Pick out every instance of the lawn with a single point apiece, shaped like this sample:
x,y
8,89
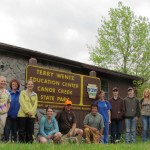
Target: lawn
x,y
139,145
37,146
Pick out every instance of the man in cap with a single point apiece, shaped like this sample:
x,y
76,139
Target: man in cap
x,y
132,112
67,122
117,112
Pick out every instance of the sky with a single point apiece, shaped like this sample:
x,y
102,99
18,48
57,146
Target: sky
x,y
61,28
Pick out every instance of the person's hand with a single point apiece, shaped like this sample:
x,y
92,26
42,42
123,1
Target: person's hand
x,y
49,137
30,114
70,134
94,129
109,121
136,118
99,136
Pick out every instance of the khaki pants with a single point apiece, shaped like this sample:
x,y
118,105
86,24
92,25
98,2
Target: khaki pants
x,y
91,136
2,124
76,138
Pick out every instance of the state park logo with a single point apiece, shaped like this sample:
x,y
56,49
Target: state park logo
x,y
92,90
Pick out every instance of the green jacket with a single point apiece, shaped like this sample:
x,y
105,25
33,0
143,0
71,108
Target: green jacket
x,y
27,104
132,107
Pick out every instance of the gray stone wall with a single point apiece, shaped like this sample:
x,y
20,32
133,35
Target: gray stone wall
x,y
13,67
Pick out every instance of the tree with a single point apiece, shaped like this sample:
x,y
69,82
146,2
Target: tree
x,y
123,43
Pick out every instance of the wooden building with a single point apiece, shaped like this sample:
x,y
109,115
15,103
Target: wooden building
x,y
14,60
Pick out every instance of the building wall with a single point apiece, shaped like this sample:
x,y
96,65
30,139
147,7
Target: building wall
x,y
121,84
108,82
13,66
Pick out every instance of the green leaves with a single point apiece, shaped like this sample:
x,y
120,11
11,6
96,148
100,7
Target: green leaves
x,y
123,43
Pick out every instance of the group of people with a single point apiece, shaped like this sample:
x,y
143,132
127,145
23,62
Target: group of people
x,y
58,129
18,110
129,109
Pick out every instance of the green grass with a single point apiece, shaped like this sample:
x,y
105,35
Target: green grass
x,y
37,146
73,146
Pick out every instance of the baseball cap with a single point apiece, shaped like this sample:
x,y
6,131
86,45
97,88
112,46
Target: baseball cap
x,y
130,88
68,102
115,89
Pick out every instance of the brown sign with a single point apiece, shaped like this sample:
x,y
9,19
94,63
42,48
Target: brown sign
x,y
54,87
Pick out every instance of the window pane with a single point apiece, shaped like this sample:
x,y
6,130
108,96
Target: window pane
x,y
104,87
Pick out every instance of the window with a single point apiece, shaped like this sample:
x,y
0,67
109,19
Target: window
x,y
104,87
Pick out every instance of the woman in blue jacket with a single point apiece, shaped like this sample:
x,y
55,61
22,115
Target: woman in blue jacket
x,y
48,130
104,108
11,125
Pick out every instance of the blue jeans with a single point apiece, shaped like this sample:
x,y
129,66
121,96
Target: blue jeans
x,y
11,127
116,128
146,128
106,132
130,130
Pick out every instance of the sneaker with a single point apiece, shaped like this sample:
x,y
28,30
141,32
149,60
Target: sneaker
x,y
117,141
